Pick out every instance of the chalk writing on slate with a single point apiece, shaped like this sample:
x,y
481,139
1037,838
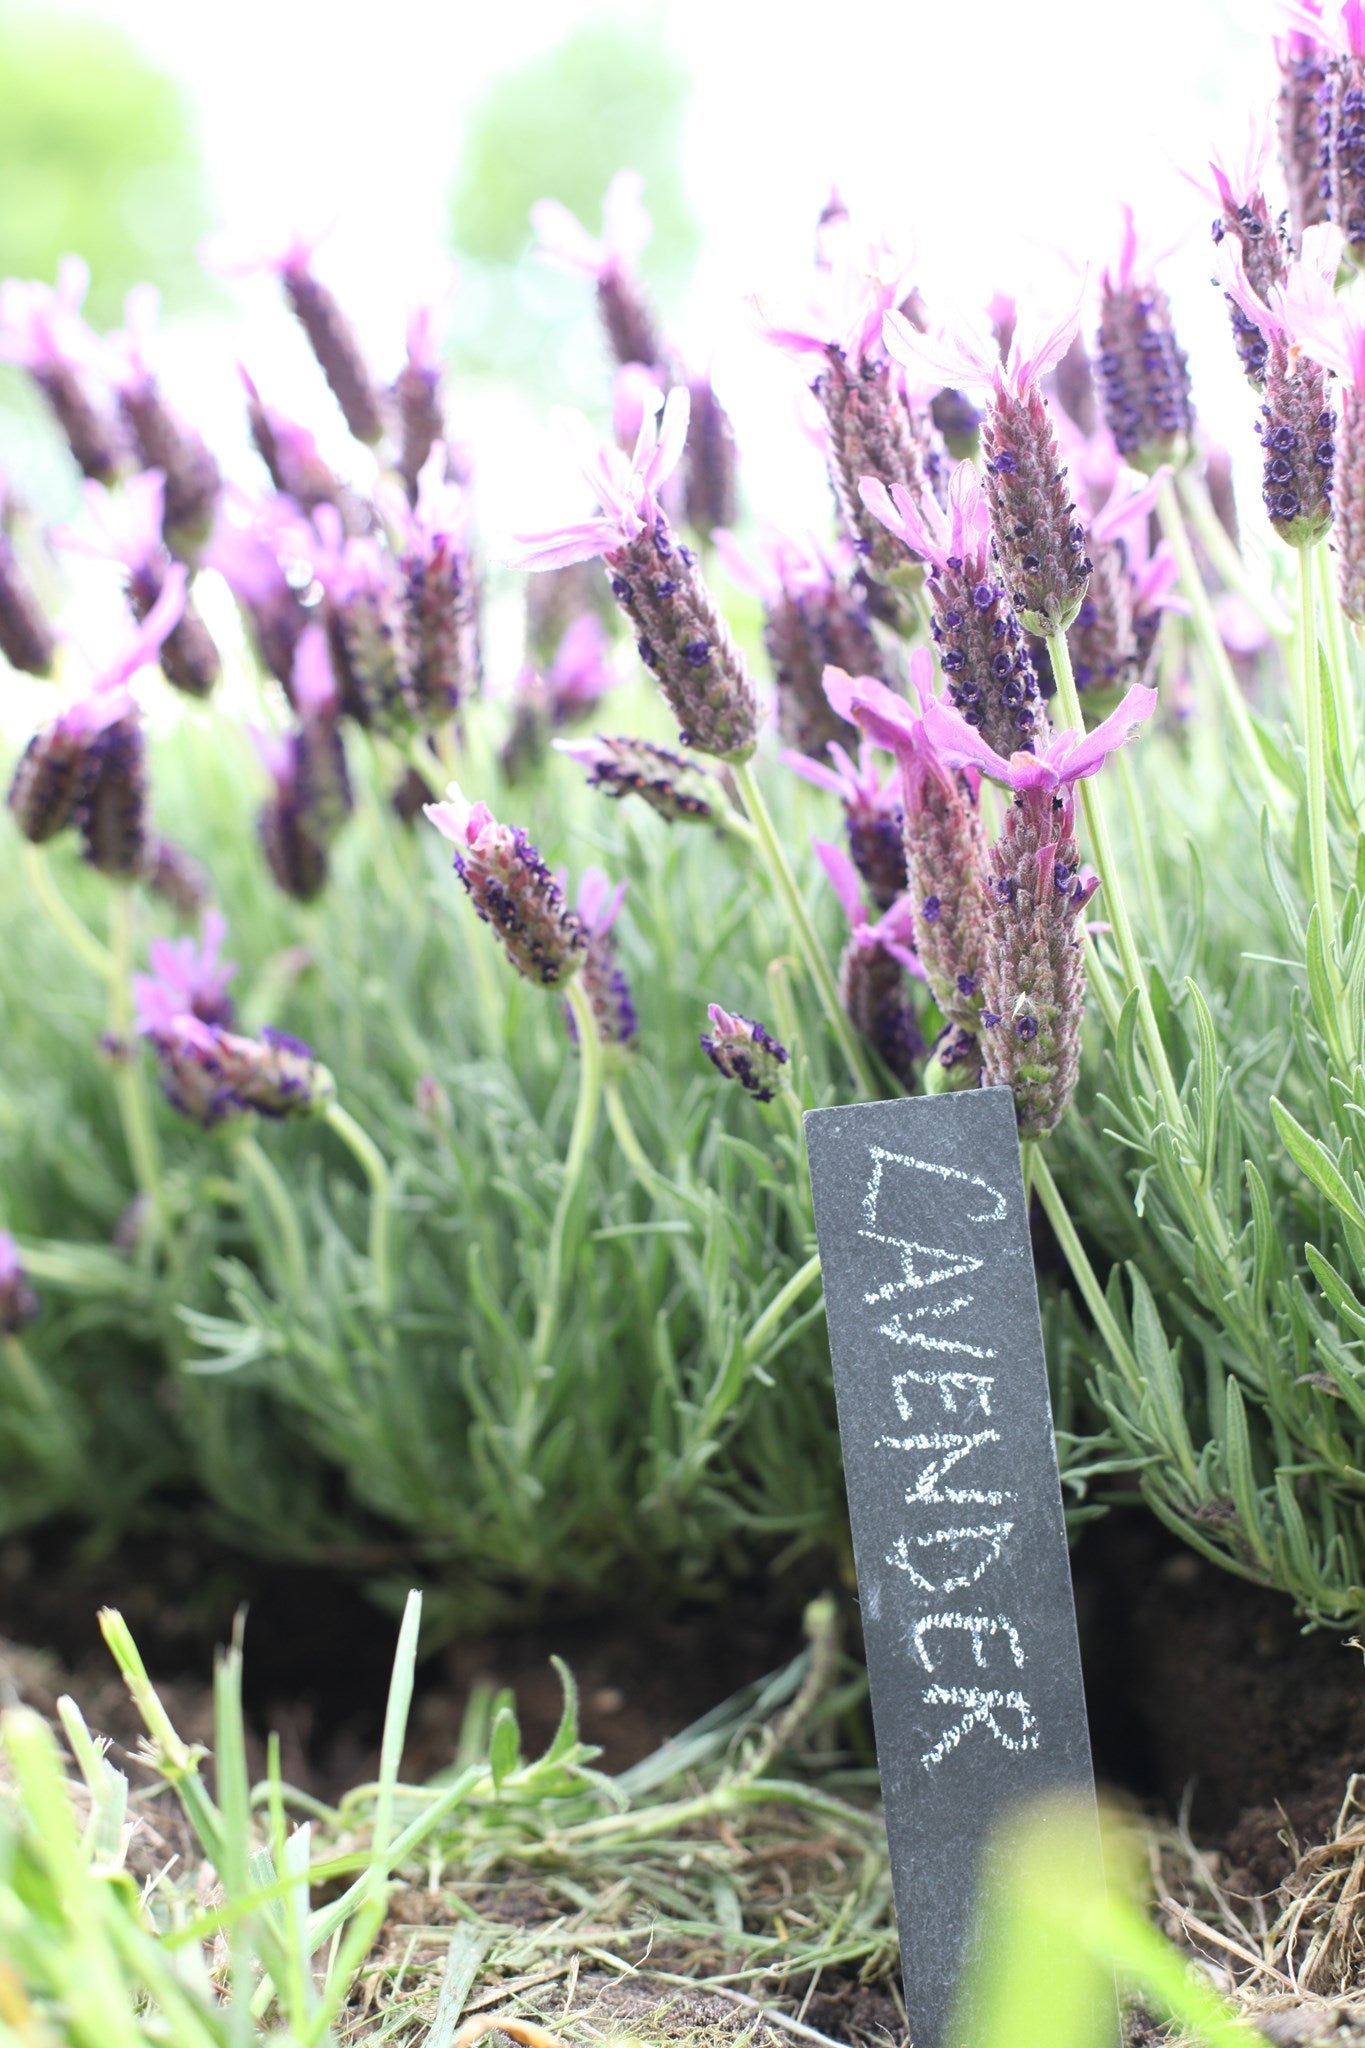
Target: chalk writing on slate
x,y
956,1509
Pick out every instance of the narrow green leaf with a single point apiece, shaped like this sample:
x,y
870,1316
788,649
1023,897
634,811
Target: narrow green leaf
x,y
504,1746
1311,1156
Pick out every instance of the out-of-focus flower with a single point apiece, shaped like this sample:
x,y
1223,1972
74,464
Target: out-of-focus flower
x,y
18,1302
597,907
512,890
744,1051
1303,76
1341,120
873,969
188,976
1039,541
311,799
164,440
441,588
368,626
245,549
1140,367
654,579
41,329
669,783
1112,636
711,468
610,260
814,617
295,465
873,816
330,334
418,398
127,527
210,1074
177,878
27,641
87,767
982,650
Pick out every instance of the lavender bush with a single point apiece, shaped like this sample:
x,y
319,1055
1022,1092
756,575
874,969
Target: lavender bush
x,y
436,1217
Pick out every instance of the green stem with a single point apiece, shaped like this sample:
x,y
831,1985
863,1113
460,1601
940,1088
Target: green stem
x,y
130,1080
62,917
1226,556
1319,857
375,1168
292,1254
580,1142
1064,1230
1113,901
1339,660
817,966
1211,643
777,1308
623,1130
1153,901
25,1373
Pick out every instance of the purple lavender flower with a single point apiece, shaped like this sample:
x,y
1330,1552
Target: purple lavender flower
x,y
330,334
26,639
1032,970
441,594
742,1050
1297,420
1332,332
311,799
42,330
245,549
1037,538
604,983
875,426
873,817
1245,217
873,969
815,617
18,1302
128,528
1341,124
611,264
982,652
296,467
554,600
710,470
1112,636
418,400
369,626
1302,62
1141,369
87,767
512,890
177,878
669,783
189,978
210,1074
944,852
164,441
655,581
1072,385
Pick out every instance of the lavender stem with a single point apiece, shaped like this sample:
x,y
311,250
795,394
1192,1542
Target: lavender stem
x,y
375,1168
580,1141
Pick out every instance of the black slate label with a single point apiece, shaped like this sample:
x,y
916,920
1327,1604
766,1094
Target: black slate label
x,y
956,1508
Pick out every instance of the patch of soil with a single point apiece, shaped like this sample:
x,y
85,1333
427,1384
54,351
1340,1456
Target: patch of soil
x,y
1204,1688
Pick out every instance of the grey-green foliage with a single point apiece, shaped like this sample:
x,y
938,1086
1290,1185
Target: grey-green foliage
x,y
1245,1416
97,154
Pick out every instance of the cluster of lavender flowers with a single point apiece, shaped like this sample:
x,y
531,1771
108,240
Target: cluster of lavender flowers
x,y
364,605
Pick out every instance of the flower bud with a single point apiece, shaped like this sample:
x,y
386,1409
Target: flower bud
x,y
742,1050
512,890
669,783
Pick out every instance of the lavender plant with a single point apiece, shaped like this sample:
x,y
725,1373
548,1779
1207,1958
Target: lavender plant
x,y
529,1315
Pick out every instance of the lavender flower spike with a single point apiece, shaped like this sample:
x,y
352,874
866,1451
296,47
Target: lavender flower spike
x,y
1303,76
873,817
164,441
18,1302
191,978
670,784
417,399
329,333
604,983
1038,540
210,1074
441,592
42,330
26,639
873,969
610,262
1342,123
944,852
982,651
1297,421
1142,372
128,528
512,889
654,579
742,1050
1244,217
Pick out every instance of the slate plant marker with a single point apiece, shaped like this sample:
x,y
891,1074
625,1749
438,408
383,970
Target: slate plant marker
x,y
956,1507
